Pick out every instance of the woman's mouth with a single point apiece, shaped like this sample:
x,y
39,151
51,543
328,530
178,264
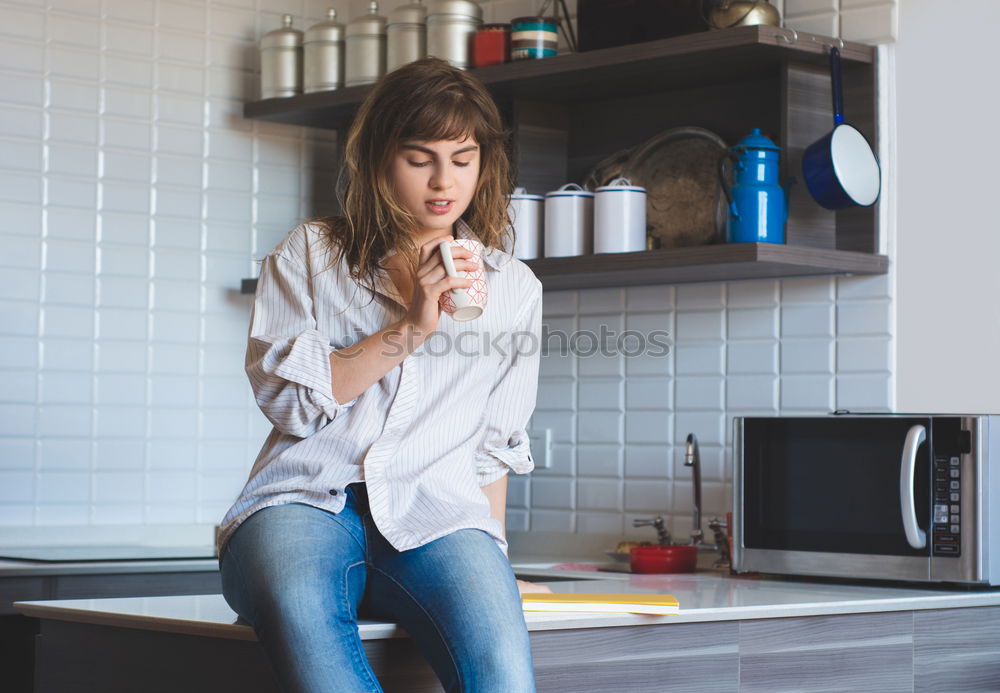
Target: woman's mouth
x,y
439,206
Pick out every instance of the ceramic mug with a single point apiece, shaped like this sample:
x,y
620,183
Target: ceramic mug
x,y
465,303
569,221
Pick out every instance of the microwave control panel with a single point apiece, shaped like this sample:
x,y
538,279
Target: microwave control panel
x,y
946,534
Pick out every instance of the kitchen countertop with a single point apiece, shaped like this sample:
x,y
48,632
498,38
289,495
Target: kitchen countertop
x,y
19,568
704,596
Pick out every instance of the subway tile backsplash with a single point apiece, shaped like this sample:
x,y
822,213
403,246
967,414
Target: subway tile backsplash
x,y
134,198
766,347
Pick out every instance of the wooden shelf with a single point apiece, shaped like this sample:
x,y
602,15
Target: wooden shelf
x,y
707,263
569,112
697,59
700,264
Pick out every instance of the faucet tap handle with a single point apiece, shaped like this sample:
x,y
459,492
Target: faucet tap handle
x,y
719,528
663,534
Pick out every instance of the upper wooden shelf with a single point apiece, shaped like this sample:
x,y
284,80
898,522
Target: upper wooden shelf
x,y
724,262
694,59
794,67
706,263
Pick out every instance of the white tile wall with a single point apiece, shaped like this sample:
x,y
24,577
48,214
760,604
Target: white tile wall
x,y
132,202
868,21
130,208
802,346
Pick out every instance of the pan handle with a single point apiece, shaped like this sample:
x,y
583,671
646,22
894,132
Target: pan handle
x,y
838,96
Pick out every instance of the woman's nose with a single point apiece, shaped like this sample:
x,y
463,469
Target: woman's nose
x,y
441,178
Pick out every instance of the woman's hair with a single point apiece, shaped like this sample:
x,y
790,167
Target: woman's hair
x,y
429,100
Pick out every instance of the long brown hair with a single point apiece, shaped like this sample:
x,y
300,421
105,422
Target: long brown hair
x,y
429,100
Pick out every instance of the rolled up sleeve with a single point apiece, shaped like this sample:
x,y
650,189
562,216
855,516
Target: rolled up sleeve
x,y
287,359
504,445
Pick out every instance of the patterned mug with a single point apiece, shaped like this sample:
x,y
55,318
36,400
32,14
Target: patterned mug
x,y
466,303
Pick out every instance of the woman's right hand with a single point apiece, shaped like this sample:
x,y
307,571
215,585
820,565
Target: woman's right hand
x,y
432,280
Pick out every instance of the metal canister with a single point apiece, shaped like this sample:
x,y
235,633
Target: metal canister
x,y
407,35
534,37
324,55
365,50
281,61
451,24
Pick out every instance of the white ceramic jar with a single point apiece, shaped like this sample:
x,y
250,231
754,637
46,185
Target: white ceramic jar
x,y
569,221
619,217
527,215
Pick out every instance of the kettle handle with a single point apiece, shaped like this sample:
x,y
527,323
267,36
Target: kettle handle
x,y
727,155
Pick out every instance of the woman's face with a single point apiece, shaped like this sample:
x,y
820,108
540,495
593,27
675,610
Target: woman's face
x,y
435,181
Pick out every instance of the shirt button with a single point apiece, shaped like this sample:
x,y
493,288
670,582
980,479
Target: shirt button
x,y
333,492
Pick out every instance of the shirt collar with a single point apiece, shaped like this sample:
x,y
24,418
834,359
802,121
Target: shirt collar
x,y
494,257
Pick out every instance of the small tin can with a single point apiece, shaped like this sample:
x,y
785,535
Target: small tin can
x,y
281,61
324,55
407,35
491,45
534,37
451,24
365,50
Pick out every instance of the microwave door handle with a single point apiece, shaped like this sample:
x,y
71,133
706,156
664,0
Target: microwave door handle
x,y
915,536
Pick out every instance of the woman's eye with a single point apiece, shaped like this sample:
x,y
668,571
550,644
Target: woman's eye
x,y
463,164
419,163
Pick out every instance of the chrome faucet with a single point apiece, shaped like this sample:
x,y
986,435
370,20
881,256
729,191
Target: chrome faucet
x,y
662,533
692,458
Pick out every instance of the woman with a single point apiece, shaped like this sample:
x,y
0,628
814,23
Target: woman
x,y
382,485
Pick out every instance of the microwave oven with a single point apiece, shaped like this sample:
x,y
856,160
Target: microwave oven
x,y
912,497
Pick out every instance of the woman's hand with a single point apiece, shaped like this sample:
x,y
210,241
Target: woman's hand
x,y
432,280
524,586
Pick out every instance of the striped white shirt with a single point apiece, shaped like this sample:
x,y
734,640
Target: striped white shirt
x,y
447,420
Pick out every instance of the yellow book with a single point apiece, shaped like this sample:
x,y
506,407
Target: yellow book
x,y
657,604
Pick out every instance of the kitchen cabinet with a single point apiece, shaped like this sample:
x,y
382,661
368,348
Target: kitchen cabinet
x,y
733,634
569,112
21,580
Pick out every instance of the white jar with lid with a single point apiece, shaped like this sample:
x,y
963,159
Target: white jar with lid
x,y
324,55
281,61
527,216
569,221
406,35
619,217
365,49
451,24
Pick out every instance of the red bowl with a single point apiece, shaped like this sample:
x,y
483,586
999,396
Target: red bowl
x,y
675,558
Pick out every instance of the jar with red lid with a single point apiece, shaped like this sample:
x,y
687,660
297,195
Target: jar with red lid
x,y
491,45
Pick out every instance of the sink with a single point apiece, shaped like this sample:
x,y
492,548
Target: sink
x,y
550,571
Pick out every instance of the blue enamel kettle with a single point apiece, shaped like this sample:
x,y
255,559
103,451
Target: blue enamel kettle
x,y
758,204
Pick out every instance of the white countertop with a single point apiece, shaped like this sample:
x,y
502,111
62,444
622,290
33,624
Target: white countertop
x,y
17,568
702,597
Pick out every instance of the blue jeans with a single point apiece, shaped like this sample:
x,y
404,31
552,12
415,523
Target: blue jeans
x,y
299,575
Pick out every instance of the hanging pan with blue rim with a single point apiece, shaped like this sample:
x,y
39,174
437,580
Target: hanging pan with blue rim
x,y
840,169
